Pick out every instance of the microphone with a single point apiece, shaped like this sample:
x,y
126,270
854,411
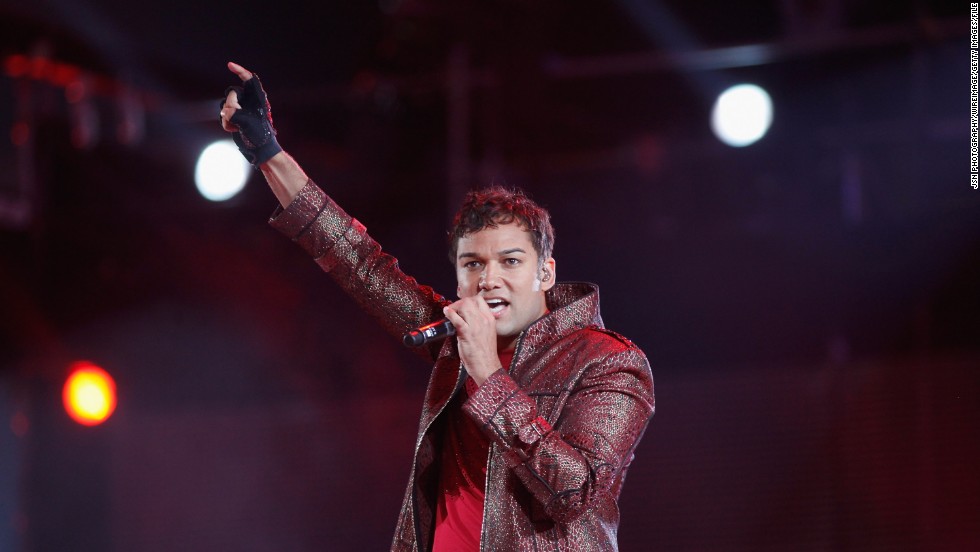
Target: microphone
x,y
435,331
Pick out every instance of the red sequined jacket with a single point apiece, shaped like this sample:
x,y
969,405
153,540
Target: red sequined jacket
x,y
563,421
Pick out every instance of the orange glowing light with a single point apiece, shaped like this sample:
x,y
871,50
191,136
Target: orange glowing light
x,y
89,394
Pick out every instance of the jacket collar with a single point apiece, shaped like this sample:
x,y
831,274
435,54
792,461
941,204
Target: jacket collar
x,y
572,306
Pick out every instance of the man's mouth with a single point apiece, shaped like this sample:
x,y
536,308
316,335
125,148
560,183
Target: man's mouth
x,y
497,305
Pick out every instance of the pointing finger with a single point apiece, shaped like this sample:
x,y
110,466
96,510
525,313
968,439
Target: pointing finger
x,y
242,72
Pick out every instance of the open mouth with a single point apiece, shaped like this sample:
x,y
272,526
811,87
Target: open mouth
x,y
497,305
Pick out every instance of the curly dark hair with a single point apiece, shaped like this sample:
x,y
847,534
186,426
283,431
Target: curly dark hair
x,y
496,205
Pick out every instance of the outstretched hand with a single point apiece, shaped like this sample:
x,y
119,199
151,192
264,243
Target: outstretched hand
x,y
246,113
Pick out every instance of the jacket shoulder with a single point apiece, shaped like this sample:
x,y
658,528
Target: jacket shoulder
x,y
609,338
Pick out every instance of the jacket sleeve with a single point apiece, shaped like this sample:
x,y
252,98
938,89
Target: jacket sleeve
x,y
342,247
571,467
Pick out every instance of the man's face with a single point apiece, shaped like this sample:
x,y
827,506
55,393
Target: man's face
x,y
501,265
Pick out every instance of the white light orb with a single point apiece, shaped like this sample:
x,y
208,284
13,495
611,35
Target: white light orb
x,y
741,115
221,171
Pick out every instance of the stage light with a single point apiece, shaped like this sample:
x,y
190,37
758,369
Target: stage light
x,y
741,115
221,171
89,394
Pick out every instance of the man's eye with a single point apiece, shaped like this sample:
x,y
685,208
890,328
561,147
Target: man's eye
x,y
471,264
512,261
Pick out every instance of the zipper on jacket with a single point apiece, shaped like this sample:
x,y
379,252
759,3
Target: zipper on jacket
x,y
415,459
486,477
486,480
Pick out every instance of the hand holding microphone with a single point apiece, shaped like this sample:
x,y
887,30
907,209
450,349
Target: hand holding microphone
x,y
472,321
440,329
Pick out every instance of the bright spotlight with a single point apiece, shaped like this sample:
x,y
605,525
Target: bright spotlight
x,y
221,171
741,115
89,394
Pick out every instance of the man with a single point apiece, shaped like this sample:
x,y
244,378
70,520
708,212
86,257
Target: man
x,y
533,409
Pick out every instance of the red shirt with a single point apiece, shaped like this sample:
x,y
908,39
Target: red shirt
x,y
465,449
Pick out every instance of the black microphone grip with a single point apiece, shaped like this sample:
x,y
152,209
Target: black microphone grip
x,y
439,329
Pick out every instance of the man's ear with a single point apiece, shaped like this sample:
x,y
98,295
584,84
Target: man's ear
x,y
547,275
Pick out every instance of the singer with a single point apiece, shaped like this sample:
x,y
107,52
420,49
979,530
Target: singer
x,y
533,409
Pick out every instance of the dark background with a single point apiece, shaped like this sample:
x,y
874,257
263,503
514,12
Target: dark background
x,y
810,304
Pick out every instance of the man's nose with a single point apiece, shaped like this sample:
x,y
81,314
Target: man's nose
x,y
490,279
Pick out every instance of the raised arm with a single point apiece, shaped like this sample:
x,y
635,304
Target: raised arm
x,y
335,240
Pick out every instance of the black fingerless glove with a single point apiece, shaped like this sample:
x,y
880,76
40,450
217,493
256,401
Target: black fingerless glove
x,y
256,137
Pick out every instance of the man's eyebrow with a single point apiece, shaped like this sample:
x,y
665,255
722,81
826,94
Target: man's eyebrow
x,y
469,255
